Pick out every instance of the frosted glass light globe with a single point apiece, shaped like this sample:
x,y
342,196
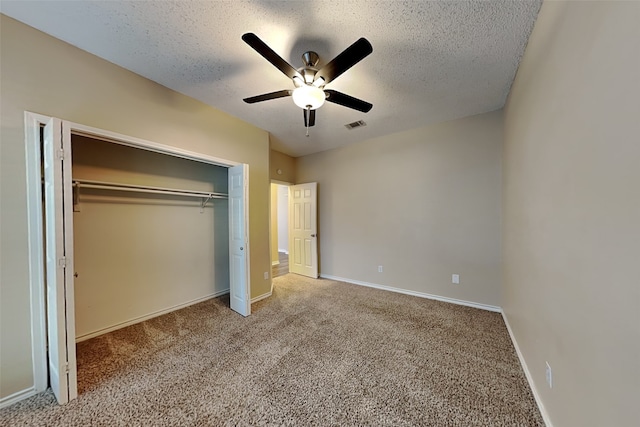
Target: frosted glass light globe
x,y
308,95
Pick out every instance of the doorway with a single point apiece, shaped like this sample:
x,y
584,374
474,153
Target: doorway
x,y
53,314
294,208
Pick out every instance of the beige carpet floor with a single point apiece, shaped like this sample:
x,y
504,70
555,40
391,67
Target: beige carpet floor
x,y
317,353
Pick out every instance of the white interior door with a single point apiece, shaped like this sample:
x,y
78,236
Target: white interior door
x,y
303,229
239,239
59,261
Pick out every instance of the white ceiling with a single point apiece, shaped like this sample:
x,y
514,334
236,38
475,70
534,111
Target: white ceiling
x,y
432,61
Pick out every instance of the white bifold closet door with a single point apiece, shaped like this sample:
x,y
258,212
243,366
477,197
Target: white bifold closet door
x,y
238,239
59,261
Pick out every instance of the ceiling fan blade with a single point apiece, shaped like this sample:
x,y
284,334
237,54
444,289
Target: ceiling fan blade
x,y
268,53
311,118
347,101
268,96
347,59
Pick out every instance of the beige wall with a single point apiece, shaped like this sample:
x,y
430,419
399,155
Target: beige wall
x,y
286,164
572,211
44,75
424,204
138,254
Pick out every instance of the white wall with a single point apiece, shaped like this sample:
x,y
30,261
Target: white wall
x,y
283,218
139,254
424,204
572,211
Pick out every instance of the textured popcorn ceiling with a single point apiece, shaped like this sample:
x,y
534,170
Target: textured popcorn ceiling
x,y
431,61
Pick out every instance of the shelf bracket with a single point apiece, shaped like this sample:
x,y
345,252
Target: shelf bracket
x,y
204,202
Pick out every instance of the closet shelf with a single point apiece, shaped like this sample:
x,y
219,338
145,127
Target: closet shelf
x,y
204,195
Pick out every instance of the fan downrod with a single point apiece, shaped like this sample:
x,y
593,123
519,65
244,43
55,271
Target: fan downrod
x,y
310,58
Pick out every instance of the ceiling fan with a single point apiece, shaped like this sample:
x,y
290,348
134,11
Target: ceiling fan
x,y
309,92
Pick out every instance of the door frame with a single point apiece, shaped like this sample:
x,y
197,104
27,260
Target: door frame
x,y
32,124
271,236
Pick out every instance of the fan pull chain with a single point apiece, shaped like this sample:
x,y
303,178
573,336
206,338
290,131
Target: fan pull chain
x,y
308,119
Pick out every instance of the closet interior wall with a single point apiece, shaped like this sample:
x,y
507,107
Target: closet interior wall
x,y
138,254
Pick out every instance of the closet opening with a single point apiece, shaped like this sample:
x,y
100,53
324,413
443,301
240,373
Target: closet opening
x,y
150,234
122,230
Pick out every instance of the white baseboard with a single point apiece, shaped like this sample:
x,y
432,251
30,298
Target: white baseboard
x,y
416,294
536,396
148,316
18,396
261,297
275,263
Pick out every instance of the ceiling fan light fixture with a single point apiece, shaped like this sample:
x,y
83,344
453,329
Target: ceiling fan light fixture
x,y
309,82
308,96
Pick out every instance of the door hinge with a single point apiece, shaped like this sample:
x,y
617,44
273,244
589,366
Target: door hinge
x,y
60,154
62,262
66,368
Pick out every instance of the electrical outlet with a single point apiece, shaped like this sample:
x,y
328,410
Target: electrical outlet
x,y
455,279
379,269
549,375
266,275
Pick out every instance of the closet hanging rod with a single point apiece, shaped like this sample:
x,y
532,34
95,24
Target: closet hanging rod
x,y
83,183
